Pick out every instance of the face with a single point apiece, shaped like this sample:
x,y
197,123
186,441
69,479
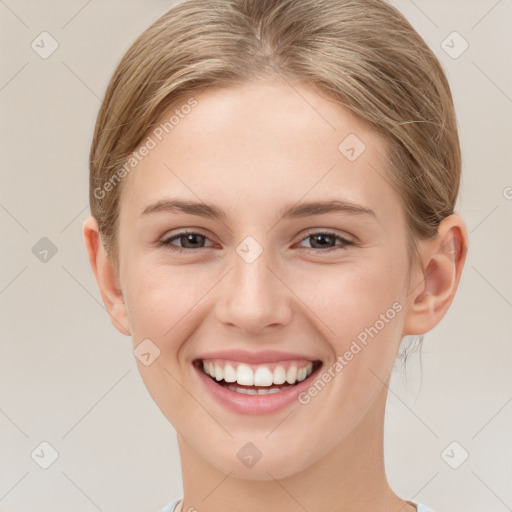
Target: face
x,y
282,275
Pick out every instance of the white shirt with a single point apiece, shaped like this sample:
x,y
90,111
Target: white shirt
x,y
170,507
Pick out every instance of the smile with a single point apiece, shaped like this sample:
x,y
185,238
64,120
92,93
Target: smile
x,y
259,379
255,386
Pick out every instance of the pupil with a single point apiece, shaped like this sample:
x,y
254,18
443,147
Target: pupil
x,y
190,238
322,236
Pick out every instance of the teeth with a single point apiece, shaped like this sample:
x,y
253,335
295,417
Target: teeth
x,y
244,375
262,376
229,373
291,375
279,376
249,391
270,391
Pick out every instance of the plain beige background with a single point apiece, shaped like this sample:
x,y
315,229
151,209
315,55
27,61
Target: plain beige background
x,y
69,379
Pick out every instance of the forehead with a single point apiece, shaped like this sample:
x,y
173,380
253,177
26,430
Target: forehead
x,y
258,143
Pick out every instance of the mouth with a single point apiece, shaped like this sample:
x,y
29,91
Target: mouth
x,y
257,379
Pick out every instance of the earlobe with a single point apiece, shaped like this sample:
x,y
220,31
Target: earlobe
x,y
106,277
434,289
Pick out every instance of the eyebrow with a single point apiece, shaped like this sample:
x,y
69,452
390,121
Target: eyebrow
x,y
297,210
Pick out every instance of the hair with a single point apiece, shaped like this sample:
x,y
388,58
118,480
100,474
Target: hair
x,y
362,53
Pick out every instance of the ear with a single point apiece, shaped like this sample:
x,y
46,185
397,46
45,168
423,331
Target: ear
x,y
106,277
433,287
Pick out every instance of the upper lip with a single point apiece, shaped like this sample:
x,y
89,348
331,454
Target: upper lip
x,y
260,357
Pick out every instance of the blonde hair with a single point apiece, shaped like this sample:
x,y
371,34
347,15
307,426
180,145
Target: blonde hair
x,y
362,53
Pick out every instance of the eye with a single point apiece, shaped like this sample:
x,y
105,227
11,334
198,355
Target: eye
x,y
190,239
322,240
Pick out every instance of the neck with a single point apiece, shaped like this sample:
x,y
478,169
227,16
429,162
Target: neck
x,y
349,478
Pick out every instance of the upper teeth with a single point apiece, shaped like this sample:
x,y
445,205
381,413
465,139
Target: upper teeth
x,y
258,375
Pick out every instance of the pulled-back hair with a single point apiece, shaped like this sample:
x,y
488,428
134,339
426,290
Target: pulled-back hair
x,y
362,53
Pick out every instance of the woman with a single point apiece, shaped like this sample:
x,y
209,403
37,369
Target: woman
x,y
272,190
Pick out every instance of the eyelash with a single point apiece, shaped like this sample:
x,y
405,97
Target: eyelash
x,y
167,242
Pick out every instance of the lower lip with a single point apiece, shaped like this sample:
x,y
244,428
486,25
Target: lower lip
x,y
254,404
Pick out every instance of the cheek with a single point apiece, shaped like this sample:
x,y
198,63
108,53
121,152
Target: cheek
x,y
349,298
160,300
363,307
159,297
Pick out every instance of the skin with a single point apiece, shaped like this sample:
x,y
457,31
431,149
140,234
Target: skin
x,y
251,150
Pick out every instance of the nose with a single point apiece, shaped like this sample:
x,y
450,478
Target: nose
x,y
253,296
